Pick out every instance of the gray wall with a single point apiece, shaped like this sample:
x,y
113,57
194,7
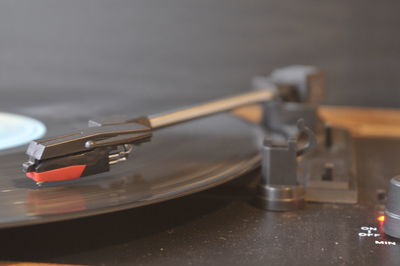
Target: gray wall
x,y
187,49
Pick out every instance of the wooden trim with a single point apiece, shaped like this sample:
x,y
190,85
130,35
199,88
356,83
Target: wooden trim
x,y
364,122
360,121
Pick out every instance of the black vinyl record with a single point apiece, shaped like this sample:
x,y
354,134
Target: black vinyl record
x,y
179,160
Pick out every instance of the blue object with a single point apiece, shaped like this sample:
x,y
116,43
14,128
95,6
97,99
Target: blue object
x,y
17,130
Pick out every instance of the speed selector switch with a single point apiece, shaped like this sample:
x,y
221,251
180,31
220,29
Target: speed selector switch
x,y
391,226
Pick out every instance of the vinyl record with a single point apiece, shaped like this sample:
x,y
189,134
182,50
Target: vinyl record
x,y
179,160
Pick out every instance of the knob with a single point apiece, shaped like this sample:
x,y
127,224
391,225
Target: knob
x,y
391,226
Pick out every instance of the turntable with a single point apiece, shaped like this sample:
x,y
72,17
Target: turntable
x,y
236,181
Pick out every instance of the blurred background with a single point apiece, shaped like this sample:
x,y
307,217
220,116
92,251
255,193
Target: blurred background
x,y
163,53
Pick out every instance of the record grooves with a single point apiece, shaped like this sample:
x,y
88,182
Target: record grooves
x,y
180,160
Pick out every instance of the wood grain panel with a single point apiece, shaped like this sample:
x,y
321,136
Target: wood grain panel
x,y
361,122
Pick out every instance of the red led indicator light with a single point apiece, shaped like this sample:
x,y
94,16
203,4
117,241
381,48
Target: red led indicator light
x,y
381,218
